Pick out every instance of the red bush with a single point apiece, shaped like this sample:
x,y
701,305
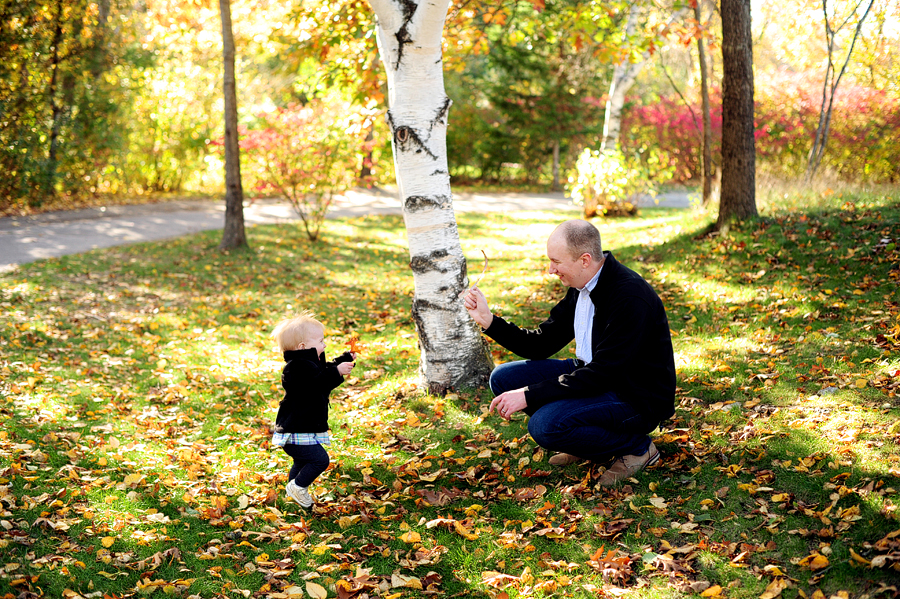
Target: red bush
x,y
863,145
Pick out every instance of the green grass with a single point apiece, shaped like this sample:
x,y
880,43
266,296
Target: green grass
x,y
137,385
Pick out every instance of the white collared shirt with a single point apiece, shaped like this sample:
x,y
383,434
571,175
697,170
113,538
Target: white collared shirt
x,y
584,317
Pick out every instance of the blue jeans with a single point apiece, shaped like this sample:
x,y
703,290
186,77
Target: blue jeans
x,y
593,428
309,462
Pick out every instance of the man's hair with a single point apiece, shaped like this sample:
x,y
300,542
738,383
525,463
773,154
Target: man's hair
x,y
290,333
582,238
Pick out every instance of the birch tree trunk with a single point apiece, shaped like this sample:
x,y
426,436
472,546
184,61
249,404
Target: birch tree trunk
x,y
625,73
453,354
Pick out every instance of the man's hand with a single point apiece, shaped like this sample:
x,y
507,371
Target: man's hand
x,y
344,368
507,404
477,306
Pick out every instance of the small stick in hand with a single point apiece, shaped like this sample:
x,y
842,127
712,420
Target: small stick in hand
x,y
481,276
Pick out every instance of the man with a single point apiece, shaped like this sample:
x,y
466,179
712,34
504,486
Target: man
x,y
620,385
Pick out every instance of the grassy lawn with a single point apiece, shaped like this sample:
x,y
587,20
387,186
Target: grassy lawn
x,y
137,385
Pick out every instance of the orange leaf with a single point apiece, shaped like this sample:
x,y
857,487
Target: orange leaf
x,y
814,561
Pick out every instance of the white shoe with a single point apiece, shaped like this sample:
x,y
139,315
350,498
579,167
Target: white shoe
x,y
299,494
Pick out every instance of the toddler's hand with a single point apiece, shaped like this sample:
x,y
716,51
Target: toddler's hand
x,y
344,368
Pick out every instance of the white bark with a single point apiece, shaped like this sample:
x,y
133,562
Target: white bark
x,y
625,74
409,32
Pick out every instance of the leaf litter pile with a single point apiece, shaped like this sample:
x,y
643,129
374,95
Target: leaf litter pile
x,y
138,385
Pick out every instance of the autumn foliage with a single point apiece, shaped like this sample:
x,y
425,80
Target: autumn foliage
x,y
865,131
308,154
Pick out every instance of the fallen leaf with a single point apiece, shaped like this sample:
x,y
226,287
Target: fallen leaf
x,y
403,581
814,561
775,587
316,591
411,537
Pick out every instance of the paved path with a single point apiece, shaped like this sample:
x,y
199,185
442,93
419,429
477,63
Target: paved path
x,y
26,239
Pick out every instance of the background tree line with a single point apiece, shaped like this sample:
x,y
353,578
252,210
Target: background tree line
x,y
124,97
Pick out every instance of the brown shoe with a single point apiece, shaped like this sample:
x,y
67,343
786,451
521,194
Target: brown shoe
x,y
563,459
629,465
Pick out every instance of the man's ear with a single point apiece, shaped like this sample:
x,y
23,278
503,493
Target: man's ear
x,y
586,260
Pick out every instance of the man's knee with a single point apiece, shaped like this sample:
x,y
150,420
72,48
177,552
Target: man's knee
x,y
544,430
506,377
497,380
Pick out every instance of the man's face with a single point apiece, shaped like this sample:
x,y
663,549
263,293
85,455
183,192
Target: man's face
x,y
571,271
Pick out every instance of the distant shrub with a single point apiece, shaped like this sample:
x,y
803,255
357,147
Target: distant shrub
x,y
607,183
308,154
863,145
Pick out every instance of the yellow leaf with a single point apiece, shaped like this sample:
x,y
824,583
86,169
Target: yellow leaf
x,y
107,541
293,591
858,558
713,591
814,561
316,591
411,537
775,587
457,525
860,383
818,594
781,497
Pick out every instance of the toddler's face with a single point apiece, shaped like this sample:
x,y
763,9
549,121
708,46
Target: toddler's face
x,y
317,342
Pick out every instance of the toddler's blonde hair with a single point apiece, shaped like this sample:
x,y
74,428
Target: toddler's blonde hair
x,y
290,333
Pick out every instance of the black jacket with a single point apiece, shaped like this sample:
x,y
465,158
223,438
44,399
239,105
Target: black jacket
x,y
630,343
307,380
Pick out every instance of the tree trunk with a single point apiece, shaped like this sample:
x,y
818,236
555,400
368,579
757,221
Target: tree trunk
x,y
556,185
738,196
233,235
56,107
453,354
99,52
625,74
707,119
829,88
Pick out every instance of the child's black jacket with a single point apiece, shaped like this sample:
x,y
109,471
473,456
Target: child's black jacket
x,y
307,380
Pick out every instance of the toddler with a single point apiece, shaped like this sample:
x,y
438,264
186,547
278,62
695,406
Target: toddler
x,y
301,426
